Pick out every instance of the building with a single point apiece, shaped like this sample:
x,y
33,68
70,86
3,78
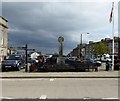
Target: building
x,y
3,38
76,51
109,43
88,49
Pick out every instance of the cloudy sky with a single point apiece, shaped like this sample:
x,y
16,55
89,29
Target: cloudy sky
x,y
39,24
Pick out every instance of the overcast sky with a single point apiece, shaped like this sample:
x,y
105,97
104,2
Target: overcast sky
x,y
39,24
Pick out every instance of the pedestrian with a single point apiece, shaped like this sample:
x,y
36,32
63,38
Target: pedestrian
x,y
107,65
40,61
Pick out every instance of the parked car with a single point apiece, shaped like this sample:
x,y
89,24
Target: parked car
x,y
70,61
105,59
13,62
95,61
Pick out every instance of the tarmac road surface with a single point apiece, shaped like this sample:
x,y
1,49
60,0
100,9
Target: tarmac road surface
x,y
59,88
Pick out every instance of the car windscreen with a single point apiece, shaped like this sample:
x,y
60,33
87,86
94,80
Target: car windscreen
x,y
14,57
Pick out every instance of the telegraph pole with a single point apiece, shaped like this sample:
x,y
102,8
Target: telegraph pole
x,y
80,54
119,47
119,32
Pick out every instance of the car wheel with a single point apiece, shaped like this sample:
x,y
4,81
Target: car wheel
x,y
17,68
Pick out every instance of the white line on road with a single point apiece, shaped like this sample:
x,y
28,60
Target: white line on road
x,y
89,79
110,98
5,98
22,79
36,79
52,79
43,97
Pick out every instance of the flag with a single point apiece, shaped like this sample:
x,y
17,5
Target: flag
x,y
111,14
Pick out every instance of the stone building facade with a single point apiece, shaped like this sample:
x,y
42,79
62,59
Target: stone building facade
x,y
88,50
109,43
3,38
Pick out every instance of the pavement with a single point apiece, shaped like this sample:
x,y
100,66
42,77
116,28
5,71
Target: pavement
x,y
100,74
91,74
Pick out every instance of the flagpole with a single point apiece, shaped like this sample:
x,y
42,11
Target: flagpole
x,y
113,38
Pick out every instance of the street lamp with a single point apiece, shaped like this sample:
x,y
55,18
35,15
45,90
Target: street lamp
x,y
119,47
80,46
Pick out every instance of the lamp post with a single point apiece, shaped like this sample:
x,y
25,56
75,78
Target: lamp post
x,y
119,47
80,46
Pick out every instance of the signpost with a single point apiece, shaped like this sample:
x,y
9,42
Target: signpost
x,y
26,54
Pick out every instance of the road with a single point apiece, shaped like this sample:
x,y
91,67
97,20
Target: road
x,y
68,88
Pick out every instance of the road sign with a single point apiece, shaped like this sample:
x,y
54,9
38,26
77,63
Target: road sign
x,y
22,48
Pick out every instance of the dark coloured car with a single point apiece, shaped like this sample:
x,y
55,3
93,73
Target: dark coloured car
x,y
71,61
94,61
13,62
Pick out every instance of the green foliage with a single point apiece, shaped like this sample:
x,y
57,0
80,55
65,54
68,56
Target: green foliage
x,y
100,49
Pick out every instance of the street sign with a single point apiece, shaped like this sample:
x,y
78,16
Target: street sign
x,y
19,48
31,49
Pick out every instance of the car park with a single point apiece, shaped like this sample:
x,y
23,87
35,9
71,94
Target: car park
x,y
13,62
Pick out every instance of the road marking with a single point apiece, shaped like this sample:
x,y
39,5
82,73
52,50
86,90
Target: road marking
x,y
110,98
52,79
43,97
87,98
22,79
5,98
89,79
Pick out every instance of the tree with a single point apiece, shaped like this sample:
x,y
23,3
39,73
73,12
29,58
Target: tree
x,y
100,49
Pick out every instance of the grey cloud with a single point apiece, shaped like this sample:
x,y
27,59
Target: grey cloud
x,y
48,16
40,23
